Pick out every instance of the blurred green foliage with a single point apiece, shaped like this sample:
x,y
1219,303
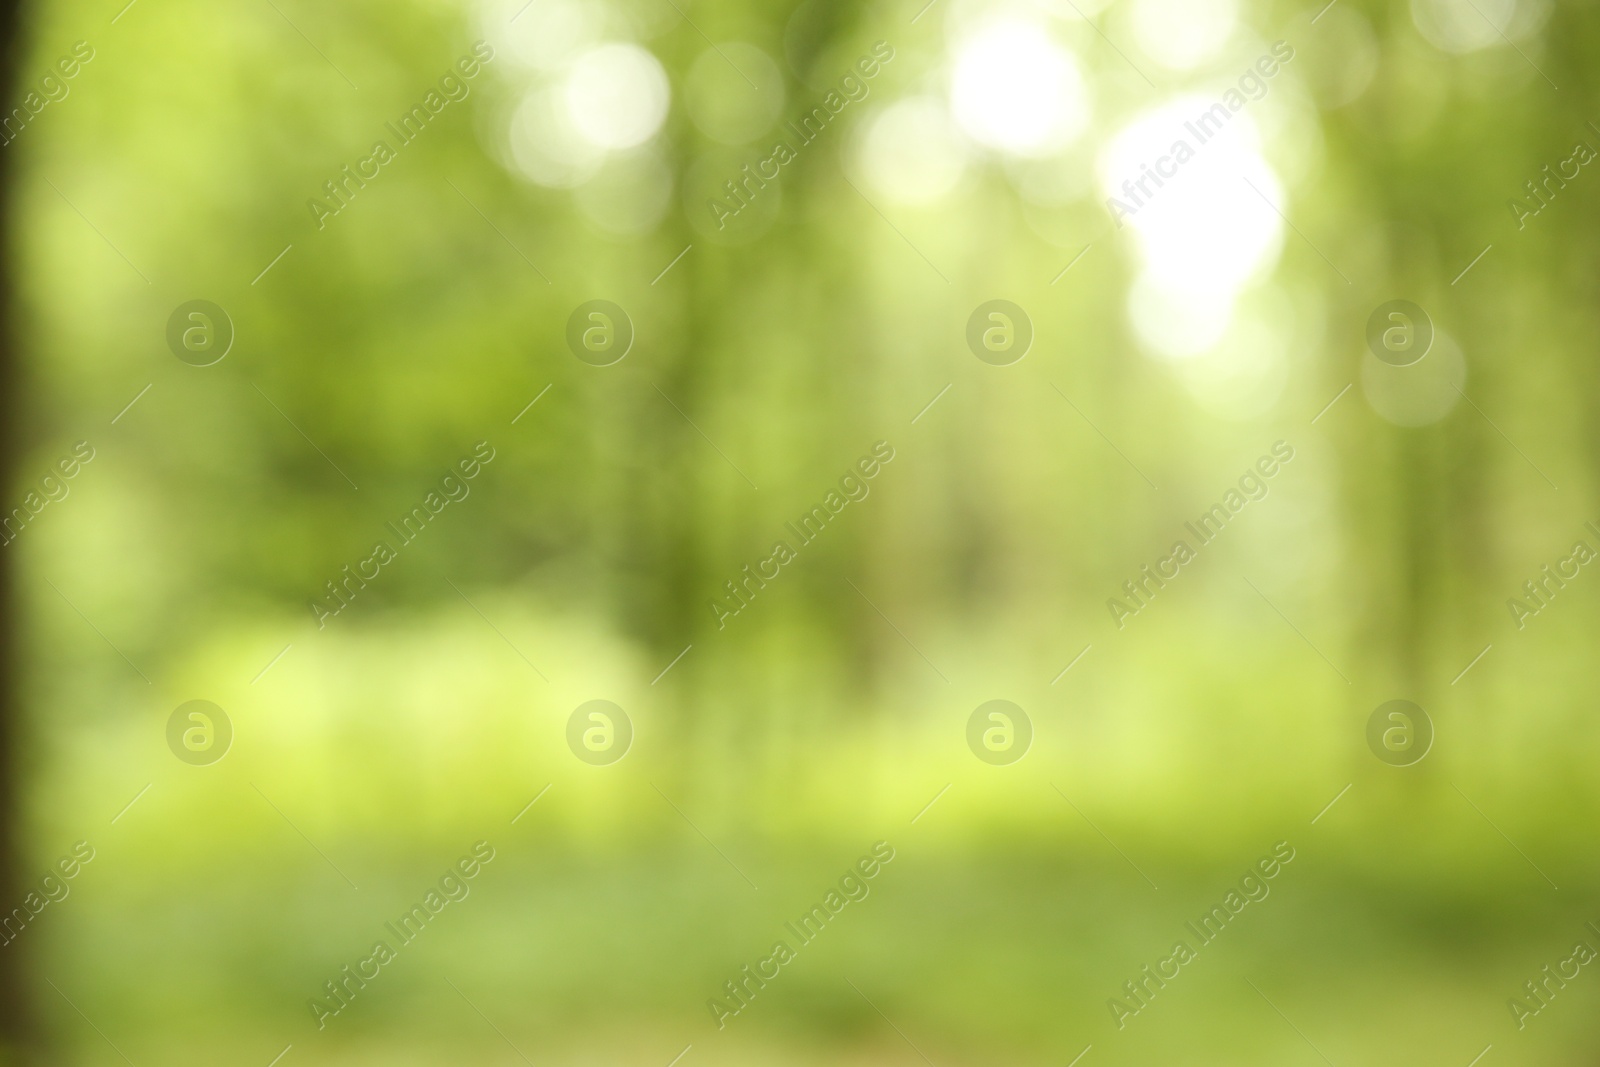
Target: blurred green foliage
x,y
427,315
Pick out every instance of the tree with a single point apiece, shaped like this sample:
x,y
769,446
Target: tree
x,y
17,1030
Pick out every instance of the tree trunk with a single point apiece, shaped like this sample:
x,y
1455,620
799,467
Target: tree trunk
x,y
18,1031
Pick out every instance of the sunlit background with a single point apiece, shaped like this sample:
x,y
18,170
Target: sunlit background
x,y
392,325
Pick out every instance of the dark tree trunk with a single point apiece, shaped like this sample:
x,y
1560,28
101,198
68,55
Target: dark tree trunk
x,y
18,1031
